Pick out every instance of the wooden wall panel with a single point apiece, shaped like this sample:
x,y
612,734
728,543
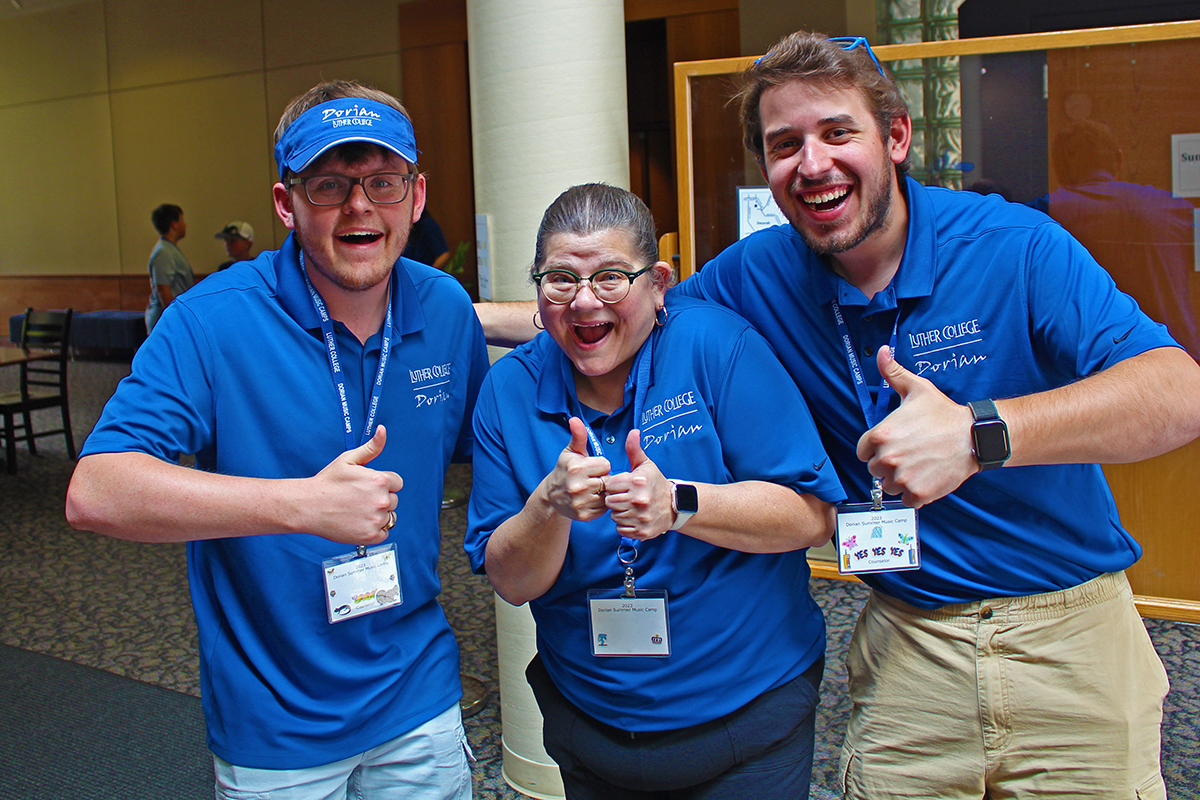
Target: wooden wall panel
x,y
80,292
719,154
436,92
1144,92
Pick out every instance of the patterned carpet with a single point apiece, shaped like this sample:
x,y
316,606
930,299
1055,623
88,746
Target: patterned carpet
x,y
124,608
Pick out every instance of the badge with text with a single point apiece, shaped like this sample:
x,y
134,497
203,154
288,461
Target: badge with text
x,y
877,537
624,625
357,584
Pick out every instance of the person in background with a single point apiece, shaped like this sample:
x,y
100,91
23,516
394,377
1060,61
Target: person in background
x,y
239,241
170,272
427,244
626,467
324,389
1143,235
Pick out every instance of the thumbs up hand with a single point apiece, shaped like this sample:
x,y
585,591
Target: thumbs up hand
x,y
640,500
922,450
350,502
576,485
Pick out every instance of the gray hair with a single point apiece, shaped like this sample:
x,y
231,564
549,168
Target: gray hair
x,y
595,207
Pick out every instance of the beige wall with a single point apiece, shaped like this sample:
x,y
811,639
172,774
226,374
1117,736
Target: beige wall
x,y
109,108
764,22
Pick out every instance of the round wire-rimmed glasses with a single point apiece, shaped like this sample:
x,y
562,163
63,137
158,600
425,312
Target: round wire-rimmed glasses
x,y
609,285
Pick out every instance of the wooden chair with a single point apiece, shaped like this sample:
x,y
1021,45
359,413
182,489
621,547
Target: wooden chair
x,y
43,384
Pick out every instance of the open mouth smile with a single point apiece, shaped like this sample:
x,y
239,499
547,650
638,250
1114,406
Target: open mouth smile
x,y
359,238
827,199
591,333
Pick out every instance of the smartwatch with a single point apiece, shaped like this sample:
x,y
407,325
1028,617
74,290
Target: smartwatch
x,y
684,502
989,435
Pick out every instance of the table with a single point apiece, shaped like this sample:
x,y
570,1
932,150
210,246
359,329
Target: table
x,y
11,356
23,355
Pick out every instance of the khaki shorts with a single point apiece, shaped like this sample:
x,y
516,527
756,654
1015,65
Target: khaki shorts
x,y
1050,695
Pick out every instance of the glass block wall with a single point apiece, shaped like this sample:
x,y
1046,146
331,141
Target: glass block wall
x,y
930,86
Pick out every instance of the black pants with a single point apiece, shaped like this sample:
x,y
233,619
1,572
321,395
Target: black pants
x,y
763,750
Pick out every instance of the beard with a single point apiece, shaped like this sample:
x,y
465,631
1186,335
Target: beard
x,y
351,277
829,239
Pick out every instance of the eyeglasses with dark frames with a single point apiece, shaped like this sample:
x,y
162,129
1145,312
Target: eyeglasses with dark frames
x,y
610,285
383,188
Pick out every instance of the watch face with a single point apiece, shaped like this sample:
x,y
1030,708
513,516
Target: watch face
x,y
686,498
991,442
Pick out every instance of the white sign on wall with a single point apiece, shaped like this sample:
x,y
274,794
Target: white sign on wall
x,y
756,210
1185,164
484,256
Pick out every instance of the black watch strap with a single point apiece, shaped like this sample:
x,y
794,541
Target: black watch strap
x,y
989,435
983,410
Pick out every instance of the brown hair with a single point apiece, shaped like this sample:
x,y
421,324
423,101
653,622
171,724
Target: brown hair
x,y
812,57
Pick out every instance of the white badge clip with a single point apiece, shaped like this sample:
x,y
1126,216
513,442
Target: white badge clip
x,y
877,536
362,582
629,621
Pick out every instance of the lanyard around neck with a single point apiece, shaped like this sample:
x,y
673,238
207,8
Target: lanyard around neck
x,y
640,389
335,362
872,412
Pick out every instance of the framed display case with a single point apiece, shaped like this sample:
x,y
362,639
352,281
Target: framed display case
x,y
1098,128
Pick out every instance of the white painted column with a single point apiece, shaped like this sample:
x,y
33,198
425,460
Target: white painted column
x,y
548,111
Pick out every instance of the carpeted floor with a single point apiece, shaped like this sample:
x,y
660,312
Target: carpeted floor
x,y
123,608
87,734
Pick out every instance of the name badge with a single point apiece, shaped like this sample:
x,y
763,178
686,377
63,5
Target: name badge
x,y
629,626
874,538
357,585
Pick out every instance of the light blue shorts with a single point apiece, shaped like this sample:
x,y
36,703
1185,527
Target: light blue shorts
x,y
430,761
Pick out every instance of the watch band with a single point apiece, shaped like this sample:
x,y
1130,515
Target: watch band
x,y
983,410
989,435
684,502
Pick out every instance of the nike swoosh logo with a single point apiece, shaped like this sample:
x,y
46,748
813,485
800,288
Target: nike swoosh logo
x,y
817,467
1119,339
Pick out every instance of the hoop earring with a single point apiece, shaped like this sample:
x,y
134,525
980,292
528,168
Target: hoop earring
x,y
537,323
660,316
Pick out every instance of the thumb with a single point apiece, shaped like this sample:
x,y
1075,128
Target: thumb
x,y
633,449
578,443
365,453
901,380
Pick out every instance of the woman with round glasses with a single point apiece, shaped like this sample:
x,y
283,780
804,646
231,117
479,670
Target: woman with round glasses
x,y
648,479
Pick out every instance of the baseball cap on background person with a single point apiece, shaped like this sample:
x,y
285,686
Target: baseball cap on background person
x,y
236,230
239,238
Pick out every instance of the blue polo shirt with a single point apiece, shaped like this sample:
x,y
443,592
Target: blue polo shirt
x,y
240,376
713,405
993,300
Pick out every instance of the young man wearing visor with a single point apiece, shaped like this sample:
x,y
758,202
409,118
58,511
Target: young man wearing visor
x,y
327,663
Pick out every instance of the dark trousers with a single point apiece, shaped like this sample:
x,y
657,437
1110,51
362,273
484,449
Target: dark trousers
x,y
763,750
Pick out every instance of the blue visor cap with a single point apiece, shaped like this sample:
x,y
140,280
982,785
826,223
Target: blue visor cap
x,y
347,119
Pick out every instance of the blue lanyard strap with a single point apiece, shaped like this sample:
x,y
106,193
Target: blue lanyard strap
x,y
640,389
872,412
335,364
